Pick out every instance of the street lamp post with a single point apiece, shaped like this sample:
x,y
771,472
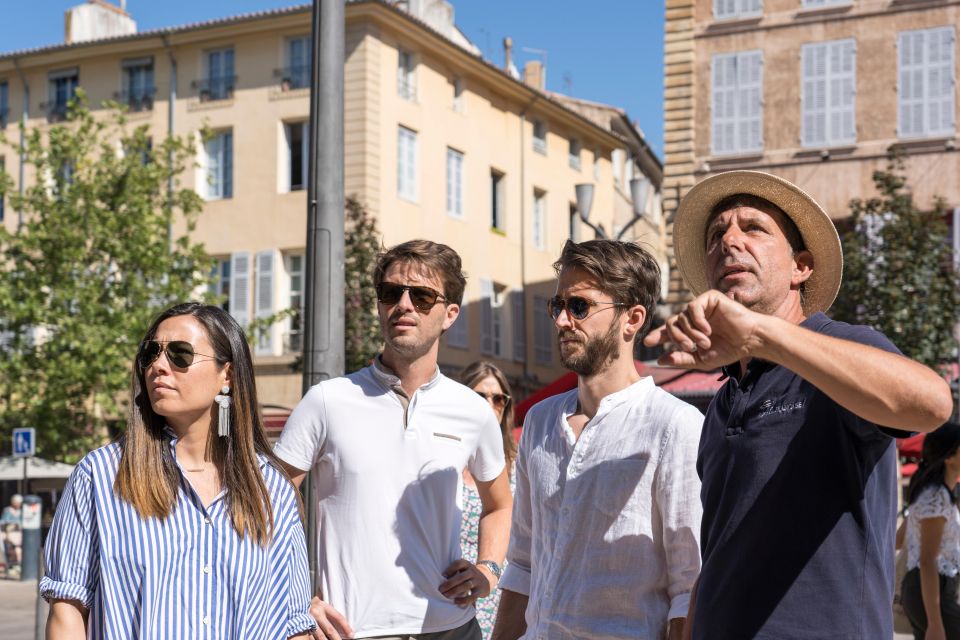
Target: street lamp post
x,y
638,194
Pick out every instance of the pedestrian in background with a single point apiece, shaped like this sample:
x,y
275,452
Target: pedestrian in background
x,y
11,528
187,527
490,383
929,594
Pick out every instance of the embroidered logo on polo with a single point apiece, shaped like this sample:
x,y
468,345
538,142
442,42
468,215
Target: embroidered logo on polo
x,y
769,407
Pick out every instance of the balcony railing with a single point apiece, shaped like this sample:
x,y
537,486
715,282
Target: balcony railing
x,y
56,111
295,77
139,100
215,88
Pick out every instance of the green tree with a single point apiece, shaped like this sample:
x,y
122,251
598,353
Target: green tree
x,y
91,265
899,273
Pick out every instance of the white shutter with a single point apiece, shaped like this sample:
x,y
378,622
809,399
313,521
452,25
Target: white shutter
x,y
265,291
518,320
940,81
723,115
750,90
457,335
752,7
240,287
813,94
843,92
486,317
910,53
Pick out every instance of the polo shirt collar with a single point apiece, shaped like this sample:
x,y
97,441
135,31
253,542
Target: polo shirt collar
x,y
385,375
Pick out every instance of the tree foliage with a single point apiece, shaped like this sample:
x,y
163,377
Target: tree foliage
x,y
899,274
361,245
91,265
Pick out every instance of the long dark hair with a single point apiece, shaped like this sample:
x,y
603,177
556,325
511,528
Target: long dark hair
x,y
147,477
937,447
471,376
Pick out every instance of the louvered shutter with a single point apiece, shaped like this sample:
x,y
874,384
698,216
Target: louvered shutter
x,y
750,90
813,94
486,317
939,65
911,82
723,116
843,92
240,287
265,305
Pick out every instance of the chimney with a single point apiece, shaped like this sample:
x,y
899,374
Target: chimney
x,y
95,20
507,54
535,74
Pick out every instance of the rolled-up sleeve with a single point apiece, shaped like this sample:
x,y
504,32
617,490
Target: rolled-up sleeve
x,y
678,500
72,549
516,575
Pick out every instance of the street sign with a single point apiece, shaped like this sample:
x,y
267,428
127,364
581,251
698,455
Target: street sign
x,y
24,442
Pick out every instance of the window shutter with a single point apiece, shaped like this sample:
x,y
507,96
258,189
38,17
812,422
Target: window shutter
x,y
752,6
457,335
227,151
750,90
518,321
240,287
843,91
723,114
265,273
486,317
940,81
213,187
813,94
910,52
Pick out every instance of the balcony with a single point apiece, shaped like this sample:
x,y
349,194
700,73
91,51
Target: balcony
x,y
291,78
136,101
209,89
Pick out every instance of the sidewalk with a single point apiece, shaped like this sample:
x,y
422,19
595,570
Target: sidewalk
x,y
18,601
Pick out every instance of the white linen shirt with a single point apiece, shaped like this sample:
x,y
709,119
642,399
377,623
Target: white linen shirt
x,y
605,534
387,481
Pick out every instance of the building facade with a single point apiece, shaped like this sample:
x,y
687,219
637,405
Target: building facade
x,y
439,144
816,91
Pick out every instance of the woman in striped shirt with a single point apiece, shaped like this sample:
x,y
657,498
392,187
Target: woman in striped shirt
x,y
176,531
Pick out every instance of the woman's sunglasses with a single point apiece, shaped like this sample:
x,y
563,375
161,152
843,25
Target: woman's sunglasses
x,y
576,306
180,353
499,400
423,298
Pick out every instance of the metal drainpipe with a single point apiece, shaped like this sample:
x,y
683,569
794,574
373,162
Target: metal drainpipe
x,y
523,233
23,136
171,112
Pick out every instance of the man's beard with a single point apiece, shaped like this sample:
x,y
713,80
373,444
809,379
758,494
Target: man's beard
x,y
595,355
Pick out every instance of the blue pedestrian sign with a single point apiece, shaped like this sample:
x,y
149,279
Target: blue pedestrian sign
x,y
24,442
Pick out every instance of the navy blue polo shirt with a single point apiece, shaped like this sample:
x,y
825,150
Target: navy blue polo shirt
x,y
799,504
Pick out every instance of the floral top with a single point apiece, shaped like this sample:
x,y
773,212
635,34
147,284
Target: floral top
x,y
469,530
934,502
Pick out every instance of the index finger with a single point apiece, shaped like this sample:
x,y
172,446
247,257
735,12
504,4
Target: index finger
x,y
655,337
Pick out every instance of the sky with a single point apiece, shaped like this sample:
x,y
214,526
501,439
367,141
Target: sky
x,y
608,51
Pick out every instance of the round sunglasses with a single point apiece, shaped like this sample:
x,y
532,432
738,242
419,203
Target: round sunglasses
x,y
423,298
576,306
180,353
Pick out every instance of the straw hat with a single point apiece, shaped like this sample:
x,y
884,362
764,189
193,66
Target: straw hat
x,y
819,234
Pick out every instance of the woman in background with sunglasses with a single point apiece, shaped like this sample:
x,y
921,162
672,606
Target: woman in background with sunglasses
x,y
186,527
490,383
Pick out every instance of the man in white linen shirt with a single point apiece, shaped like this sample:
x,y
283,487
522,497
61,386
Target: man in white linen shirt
x,y
387,447
605,536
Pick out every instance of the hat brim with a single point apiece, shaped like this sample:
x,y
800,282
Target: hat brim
x,y
817,229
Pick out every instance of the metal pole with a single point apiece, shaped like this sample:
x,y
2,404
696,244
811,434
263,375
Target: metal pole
x,y
23,136
323,340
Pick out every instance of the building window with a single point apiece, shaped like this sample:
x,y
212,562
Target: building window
x,y
454,183
724,9
220,80
458,333
220,282
542,332
539,219
816,4
4,103
138,88
737,114
406,76
540,136
828,93
407,164
219,165
492,296
574,229
573,157
294,341
62,87
497,201
296,73
458,95
298,153
926,82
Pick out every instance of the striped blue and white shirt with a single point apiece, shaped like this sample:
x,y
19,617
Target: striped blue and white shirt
x,y
188,576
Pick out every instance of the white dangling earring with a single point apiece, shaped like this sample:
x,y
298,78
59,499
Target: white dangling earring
x,y
223,419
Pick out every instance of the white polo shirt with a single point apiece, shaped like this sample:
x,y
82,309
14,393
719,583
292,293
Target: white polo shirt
x,y
387,479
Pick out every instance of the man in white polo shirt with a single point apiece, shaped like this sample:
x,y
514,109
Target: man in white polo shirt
x,y
387,446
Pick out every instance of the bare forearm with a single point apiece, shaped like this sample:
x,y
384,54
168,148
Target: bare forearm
x,y
901,393
67,621
511,616
493,533
930,590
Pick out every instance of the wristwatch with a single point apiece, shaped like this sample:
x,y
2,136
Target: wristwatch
x,y
493,566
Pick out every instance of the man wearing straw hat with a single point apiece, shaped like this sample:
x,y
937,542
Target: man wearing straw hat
x,y
799,476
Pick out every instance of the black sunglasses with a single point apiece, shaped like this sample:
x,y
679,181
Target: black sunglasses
x,y
498,399
180,353
423,298
576,306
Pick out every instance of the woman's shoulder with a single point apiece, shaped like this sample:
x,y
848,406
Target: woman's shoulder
x,y
105,458
933,500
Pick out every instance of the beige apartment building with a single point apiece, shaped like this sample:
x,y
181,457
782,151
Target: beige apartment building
x,y
439,144
816,91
